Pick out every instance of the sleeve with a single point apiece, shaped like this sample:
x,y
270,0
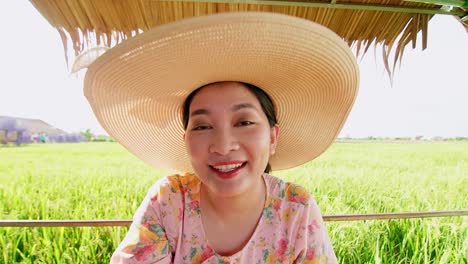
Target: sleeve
x,y
146,240
313,243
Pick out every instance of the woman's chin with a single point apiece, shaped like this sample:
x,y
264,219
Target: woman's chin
x,y
224,191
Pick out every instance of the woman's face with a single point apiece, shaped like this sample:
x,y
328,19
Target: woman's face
x,y
228,138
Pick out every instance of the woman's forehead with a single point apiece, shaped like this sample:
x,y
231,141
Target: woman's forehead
x,y
224,94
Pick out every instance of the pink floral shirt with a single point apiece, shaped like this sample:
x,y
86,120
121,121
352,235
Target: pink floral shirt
x,y
167,228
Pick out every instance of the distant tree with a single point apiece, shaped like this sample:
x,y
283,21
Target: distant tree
x,y
88,134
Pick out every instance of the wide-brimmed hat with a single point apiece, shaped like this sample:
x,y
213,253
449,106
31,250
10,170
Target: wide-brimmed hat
x,y
137,88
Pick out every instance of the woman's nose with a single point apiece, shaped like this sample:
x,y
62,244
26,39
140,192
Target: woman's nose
x,y
223,142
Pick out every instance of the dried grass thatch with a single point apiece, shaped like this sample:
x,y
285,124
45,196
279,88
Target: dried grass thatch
x,y
391,23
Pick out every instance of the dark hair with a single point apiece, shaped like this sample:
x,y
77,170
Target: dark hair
x,y
265,102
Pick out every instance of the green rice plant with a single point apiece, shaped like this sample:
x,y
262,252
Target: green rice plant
x,y
103,181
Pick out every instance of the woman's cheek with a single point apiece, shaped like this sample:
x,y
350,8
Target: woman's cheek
x,y
256,136
196,141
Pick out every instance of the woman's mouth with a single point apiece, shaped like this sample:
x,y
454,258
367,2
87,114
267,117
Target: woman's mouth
x,y
228,170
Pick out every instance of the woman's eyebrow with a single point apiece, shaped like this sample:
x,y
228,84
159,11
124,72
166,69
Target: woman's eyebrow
x,y
234,108
238,107
200,112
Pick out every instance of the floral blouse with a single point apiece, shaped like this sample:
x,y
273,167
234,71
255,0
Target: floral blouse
x,y
167,228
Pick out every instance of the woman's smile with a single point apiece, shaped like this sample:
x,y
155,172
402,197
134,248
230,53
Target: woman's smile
x,y
228,169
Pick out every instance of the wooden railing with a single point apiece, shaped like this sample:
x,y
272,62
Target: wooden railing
x,y
329,218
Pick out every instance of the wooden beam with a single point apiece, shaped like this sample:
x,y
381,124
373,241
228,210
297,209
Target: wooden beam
x,y
388,216
328,218
351,6
455,3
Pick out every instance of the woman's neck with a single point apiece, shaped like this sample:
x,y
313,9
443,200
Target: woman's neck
x,y
234,207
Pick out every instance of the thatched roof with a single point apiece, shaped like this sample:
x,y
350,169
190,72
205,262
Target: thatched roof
x,y
391,23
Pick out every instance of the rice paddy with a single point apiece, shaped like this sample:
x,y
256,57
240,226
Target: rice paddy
x,y
103,181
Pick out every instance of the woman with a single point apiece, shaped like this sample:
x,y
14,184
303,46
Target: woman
x,y
236,79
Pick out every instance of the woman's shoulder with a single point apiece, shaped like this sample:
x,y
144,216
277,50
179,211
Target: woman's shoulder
x,y
287,191
173,185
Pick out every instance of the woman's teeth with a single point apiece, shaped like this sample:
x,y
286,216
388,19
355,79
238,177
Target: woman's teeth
x,y
227,168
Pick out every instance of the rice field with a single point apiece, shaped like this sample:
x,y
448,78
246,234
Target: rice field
x,y
103,181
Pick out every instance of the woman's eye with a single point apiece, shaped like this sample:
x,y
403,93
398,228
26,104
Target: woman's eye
x,y
245,123
201,127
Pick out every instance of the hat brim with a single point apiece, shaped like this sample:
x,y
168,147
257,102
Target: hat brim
x,y
137,88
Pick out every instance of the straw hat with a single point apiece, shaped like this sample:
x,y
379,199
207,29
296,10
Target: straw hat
x,y
137,88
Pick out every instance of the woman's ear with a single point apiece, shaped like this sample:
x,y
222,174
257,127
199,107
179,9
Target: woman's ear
x,y
274,133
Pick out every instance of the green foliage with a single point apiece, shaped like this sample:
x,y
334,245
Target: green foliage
x,y
88,134
103,181
103,138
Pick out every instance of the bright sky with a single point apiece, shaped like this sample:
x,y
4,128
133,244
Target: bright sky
x,y
429,96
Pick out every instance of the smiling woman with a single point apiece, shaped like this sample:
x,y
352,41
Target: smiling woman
x,y
266,73
154,133
230,141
